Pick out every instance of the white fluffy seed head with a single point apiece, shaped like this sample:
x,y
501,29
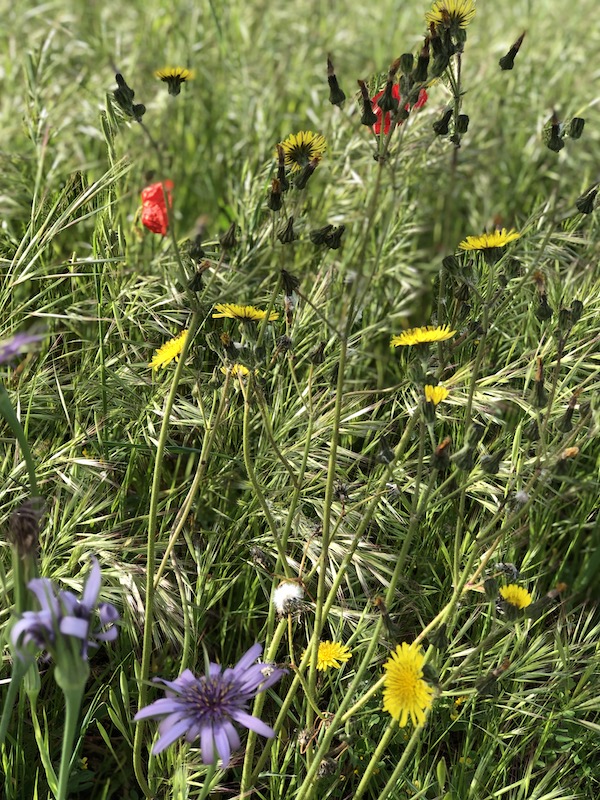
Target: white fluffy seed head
x,y
287,597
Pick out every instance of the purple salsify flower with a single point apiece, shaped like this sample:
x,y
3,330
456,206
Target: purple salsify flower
x,y
77,614
63,614
207,707
9,348
37,626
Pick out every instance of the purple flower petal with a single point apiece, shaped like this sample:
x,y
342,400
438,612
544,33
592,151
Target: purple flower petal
x,y
176,731
222,745
253,724
207,746
159,707
248,658
45,592
91,589
73,626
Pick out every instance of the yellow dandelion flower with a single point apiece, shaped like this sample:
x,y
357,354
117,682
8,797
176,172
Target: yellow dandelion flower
x,y
452,14
234,311
406,694
422,336
236,370
332,655
489,241
516,596
435,394
170,351
174,77
301,148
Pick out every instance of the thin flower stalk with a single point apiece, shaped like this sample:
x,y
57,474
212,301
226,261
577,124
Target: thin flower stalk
x,y
256,486
211,427
150,556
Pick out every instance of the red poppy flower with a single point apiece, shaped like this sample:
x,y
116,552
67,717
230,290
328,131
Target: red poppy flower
x,y
421,100
154,207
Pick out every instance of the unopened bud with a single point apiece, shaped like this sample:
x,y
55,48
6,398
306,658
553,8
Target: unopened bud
x,y
540,395
336,96
420,73
407,61
585,202
275,201
286,234
387,101
564,319
369,117
284,183
465,458
576,310
302,179
319,235
462,123
576,127
491,464
441,127
333,240
290,282
544,311
441,456
228,241
554,139
508,61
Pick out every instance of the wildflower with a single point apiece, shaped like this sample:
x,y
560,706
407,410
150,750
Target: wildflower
x,y
452,14
301,148
423,335
332,654
154,206
10,348
421,100
174,77
406,693
287,597
207,707
516,596
489,241
63,617
234,311
435,394
170,351
236,371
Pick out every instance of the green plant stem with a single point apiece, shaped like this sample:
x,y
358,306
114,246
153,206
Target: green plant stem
x,y
392,784
254,481
207,785
247,778
372,765
8,412
73,698
19,668
210,431
150,557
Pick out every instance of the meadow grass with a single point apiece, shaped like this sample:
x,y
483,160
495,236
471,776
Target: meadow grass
x,y
201,490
